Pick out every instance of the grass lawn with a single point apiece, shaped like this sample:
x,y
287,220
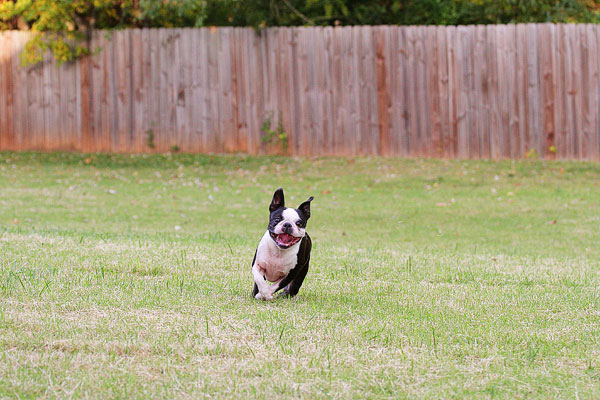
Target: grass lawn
x,y
129,277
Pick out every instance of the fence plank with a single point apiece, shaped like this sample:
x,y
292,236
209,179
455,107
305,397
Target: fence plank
x,y
479,122
110,111
473,106
122,72
560,93
398,92
503,66
586,78
202,81
138,95
383,64
5,90
467,91
592,95
349,117
433,94
521,72
443,89
21,119
546,46
463,73
196,108
241,77
494,119
596,90
452,142
4,59
533,90
573,82
412,96
513,93
35,105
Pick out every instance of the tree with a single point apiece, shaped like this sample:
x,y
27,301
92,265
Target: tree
x,y
65,26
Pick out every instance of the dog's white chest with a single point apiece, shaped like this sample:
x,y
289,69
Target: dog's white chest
x,y
274,262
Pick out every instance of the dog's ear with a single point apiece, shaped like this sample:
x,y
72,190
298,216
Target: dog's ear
x,y
278,200
305,207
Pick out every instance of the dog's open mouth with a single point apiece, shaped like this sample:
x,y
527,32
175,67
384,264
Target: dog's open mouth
x,y
284,240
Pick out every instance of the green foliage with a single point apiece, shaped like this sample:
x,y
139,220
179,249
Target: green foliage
x,y
172,13
263,13
150,136
531,154
274,136
65,25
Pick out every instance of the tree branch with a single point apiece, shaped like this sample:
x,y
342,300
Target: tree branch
x,y
298,13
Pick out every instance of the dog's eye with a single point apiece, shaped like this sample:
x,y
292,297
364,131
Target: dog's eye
x,y
276,220
299,224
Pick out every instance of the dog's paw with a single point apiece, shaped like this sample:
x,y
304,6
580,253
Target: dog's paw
x,y
265,296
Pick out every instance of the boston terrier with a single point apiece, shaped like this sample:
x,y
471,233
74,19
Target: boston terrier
x,y
283,253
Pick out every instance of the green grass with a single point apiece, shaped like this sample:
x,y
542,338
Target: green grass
x,y
129,277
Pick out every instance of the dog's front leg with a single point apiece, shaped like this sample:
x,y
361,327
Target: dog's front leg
x,y
264,290
280,284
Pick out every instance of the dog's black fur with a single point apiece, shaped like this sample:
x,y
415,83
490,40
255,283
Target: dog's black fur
x,y
291,283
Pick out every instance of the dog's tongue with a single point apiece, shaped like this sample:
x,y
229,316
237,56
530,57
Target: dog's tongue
x,y
284,238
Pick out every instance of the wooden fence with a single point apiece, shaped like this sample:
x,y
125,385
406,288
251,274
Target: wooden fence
x,y
495,91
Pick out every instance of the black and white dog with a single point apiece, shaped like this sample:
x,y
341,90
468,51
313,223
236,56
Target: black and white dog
x,y
283,253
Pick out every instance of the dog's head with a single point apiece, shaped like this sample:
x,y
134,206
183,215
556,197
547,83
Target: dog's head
x,y
287,226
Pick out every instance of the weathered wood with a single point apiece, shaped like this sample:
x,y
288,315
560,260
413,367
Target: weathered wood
x,y
494,97
503,94
138,91
422,110
20,112
468,91
463,74
110,138
4,59
255,98
412,92
560,93
471,136
480,132
452,142
546,40
521,45
237,83
533,91
384,142
5,90
444,93
592,95
197,107
596,89
433,94
574,93
513,93
122,77
587,140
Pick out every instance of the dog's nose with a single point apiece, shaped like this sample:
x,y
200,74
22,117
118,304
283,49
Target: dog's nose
x,y
286,226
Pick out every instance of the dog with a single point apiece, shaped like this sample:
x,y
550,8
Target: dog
x,y
283,253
